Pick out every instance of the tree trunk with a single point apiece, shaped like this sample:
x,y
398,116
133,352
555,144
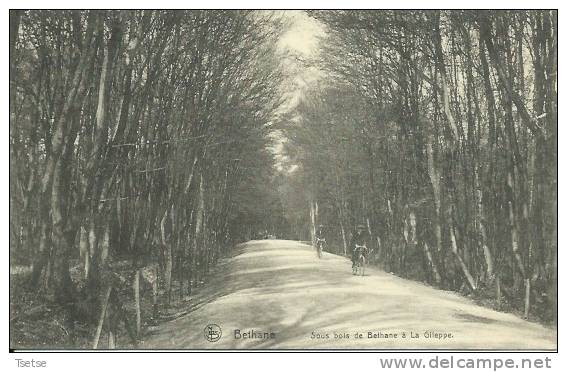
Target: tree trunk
x,y
313,217
168,257
436,186
462,264
84,250
432,264
136,289
102,317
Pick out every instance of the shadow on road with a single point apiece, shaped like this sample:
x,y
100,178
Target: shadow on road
x,y
282,287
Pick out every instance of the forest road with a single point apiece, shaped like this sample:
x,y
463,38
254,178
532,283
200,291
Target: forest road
x,y
276,294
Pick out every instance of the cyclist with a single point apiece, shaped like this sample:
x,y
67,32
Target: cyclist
x,y
320,239
359,239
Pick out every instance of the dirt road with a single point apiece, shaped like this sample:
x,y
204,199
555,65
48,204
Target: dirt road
x,y
275,294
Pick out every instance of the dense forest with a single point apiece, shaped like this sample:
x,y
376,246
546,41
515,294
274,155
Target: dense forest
x,y
438,131
138,154
144,145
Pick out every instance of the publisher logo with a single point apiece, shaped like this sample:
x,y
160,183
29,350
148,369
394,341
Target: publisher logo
x,y
212,333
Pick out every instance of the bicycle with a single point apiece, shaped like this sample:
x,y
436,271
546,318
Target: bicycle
x,y
319,245
361,253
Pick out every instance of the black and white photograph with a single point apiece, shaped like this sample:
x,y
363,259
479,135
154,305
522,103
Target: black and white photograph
x,y
282,180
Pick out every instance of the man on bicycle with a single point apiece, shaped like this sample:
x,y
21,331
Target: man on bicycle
x,y
320,235
359,239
